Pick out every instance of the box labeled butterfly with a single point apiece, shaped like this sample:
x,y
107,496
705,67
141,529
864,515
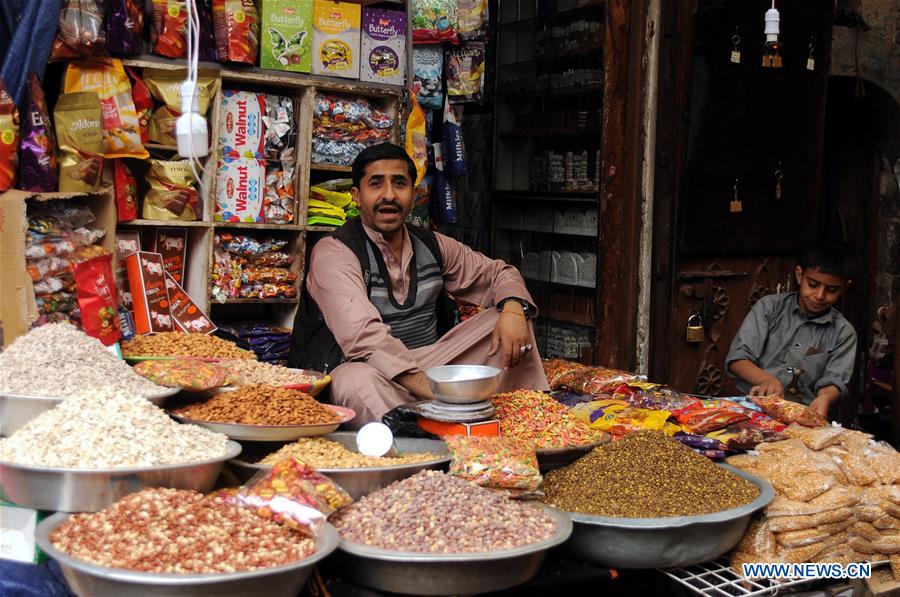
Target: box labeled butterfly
x,y
287,35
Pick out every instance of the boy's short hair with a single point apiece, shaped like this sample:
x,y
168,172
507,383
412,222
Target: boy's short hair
x,y
375,153
831,256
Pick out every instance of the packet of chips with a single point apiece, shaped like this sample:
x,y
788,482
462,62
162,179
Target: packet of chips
x,y
169,31
9,139
97,299
172,195
78,118
143,103
464,66
81,32
125,187
165,87
237,30
121,128
38,160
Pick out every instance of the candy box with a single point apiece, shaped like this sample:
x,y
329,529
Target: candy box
x,y
146,277
287,35
186,314
336,39
240,190
171,243
383,46
241,128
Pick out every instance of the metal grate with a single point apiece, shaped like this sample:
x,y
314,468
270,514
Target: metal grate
x,y
717,579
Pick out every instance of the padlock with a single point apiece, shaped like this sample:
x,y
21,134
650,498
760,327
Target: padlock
x,y
695,333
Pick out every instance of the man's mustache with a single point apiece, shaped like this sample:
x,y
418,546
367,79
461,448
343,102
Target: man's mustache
x,y
388,203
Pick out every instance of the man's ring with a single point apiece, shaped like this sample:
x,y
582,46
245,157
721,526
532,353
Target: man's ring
x,y
525,348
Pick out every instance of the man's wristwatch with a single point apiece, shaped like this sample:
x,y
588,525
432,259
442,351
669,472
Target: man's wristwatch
x,y
525,306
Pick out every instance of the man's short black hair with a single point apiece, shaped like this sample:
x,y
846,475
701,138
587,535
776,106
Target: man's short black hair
x,y
831,256
375,153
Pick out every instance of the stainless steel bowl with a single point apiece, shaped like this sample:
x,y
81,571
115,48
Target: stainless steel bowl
x,y
90,490
272,433
663,542
415,573
463,384
551,458
356,481
85,578
16,409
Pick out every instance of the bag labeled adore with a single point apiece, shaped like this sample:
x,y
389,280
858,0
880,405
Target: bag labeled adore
x,y
79,127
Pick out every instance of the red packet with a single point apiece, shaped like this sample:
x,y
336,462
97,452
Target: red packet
x,y
185,313
97,299
126,192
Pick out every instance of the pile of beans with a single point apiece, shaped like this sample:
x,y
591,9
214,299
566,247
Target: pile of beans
x,y
57,360
324,453
436,513
109,430
177,344
247,372
175,531
259,404
645,475
537,418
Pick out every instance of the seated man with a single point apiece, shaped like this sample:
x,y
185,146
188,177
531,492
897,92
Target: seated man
x,y
371,313
797,344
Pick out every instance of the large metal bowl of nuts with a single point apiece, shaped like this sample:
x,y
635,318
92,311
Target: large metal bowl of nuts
x,y
91,490
272,433
664,542
357,481
85,578
418,573
16,409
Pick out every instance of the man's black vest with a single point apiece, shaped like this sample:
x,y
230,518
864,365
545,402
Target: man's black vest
x,y
313,346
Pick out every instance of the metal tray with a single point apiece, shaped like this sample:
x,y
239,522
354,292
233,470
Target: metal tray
x,y
551,458
272,433
17,409
664,542
90,490
356,481
85,578
415,573
319,383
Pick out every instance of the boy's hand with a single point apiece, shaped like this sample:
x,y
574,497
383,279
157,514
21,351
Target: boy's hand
x,y
767,387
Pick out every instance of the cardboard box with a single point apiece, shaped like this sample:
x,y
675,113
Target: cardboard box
x,y
336,39
188,317
146,278
286,30
484,428
241,127
383,46
17,307
171,243
240,190
127,242
17,526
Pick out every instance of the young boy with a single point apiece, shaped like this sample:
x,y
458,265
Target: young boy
x,y
797,344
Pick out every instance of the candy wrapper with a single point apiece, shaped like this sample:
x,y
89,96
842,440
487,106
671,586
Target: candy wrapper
x,y
237,30
126,190
81,32
245,246
465,72
619,420
279,194
172,195
265,290
293,494
57,302
55,284
496,462
165,87
38,160
169,28
143,103
473,16
700,419
746,435
124,26
434,21
272,259
788,412
267,275
428,68
78,119
189,374
9,139
54,266
280,127
97,299
342,127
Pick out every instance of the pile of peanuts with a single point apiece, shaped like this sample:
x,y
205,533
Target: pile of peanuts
x,y
176,531
259,404
324,453
177,344
247,372
436,513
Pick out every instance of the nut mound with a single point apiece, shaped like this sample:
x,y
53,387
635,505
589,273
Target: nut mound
x,y
259,404
178,344
325,453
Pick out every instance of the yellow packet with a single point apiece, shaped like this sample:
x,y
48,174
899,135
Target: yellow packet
x,y
79,130
172,195
165,87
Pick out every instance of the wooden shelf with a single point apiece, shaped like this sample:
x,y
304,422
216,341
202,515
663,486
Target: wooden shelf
x,y
259,226
160,147
315,228
331,168
169,223
257,301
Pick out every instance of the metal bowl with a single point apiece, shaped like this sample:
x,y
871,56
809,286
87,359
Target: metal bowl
x,y
415,573
463,384
664,542
90,490
356,481
551,458
272,433
17,409
319,382
85,578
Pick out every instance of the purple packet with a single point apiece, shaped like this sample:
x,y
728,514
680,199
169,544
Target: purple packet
x,y
38,160
698,441
124,26
207,32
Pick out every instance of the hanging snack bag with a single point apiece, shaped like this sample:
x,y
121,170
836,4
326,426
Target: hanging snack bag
x,y
97,299
428,68
383,46
165,87
38,160
416,142
81,31
78,118
287,35
336,39
126,190
143,103
9,139
124,26
172,195
434,21
465,72
241,127
788,412
237,30
497,462
169,33
121,128
240,190
473,20
454,153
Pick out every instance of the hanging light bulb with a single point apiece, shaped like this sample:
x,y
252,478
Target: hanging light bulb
x,y
772,50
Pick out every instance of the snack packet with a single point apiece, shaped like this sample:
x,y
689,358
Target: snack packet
x,y
124,26
746,435
125,187
172,195
701,420
165,87
9,139
237,30
279,194
121,128
465,72
78,119
143,102
788,412
188,374
38,160
496,462
428,68
169,28
81,32
97,299
473,16
434,21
